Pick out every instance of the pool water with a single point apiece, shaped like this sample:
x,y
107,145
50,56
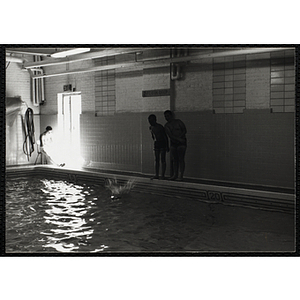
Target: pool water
x,y
55,216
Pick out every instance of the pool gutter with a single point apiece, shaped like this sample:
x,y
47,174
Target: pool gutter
x,y
210,193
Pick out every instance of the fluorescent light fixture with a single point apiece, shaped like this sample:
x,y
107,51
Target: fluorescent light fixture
x,y
70,52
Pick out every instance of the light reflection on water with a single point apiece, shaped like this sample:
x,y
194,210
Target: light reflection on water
x,y
67,211
48,216
58,216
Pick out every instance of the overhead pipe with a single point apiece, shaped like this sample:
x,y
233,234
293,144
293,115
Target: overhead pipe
x,y
164,61
124,66
24,52
81,57
111,52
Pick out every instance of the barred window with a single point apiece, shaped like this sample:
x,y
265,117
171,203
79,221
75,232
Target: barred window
x,y
229,84
105,88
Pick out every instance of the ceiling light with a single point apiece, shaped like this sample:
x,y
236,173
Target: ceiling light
x,y
70,52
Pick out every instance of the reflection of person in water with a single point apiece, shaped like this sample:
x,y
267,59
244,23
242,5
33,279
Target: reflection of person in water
x,y
176,131
48,147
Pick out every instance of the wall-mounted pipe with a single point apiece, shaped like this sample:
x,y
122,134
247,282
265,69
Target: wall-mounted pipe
x,y
176,71
42,83
38,91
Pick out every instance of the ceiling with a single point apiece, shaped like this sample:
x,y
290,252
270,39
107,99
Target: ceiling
x,y
139,57
47,51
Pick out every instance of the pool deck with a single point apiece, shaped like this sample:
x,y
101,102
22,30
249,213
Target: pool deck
x,y
261,197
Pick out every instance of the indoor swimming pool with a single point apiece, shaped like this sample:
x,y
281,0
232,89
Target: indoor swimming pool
x,y
45,215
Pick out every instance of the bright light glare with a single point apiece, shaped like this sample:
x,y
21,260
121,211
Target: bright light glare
x,y
70,52
66,214
64,152
74,161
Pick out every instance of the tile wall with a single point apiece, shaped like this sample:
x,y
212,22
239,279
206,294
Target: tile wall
x,y
239,113
229,84
282,82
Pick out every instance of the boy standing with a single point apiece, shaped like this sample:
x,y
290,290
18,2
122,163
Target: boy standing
x,y
176,131
161,146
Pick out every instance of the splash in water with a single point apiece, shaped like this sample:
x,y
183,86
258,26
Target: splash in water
x,y
117,189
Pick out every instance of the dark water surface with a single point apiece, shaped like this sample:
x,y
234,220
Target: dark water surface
x,y
51,216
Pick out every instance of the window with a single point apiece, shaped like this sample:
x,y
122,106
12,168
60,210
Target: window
x,y
105,88
229,84
282,81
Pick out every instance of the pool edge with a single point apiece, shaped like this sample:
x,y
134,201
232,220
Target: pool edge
x,y
229,195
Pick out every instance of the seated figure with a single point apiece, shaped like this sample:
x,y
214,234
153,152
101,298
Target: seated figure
x,y
48,148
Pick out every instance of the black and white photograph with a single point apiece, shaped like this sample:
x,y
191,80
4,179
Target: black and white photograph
x,y
150,149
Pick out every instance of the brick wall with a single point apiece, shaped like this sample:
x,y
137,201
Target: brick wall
x,y
155,79
252,144
258,81
131,84
105,88
194,90
231,84
249,138
18,84
81,82
128,91
282,82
